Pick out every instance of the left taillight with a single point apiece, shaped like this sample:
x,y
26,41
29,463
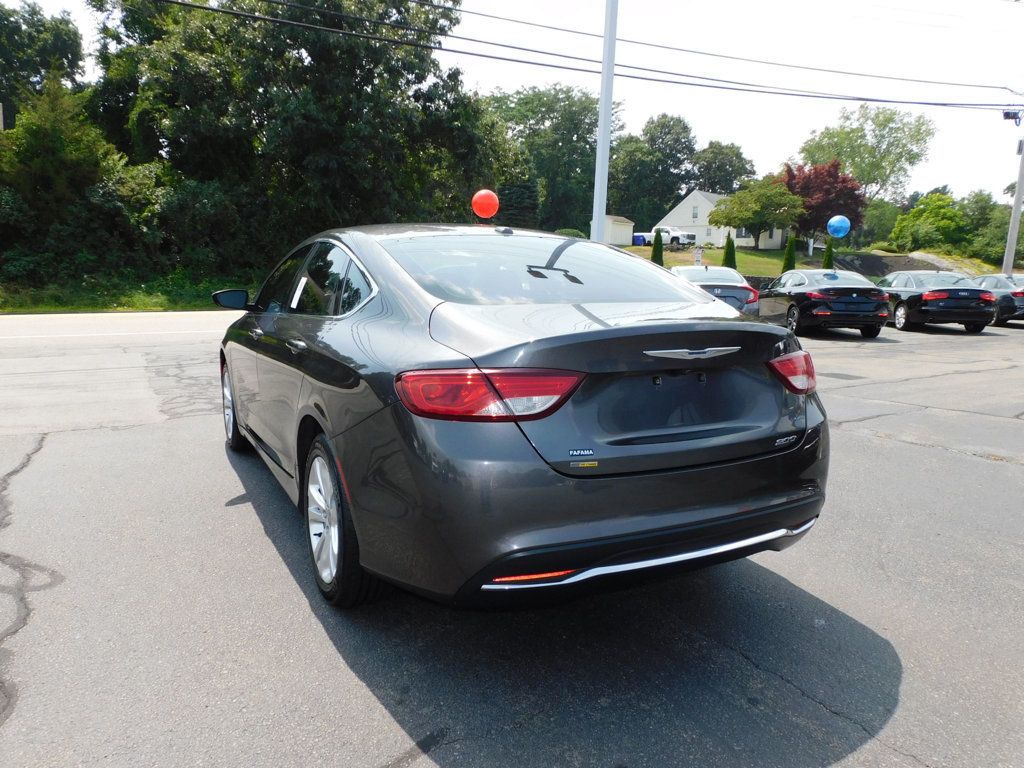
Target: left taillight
x,y
795,371
471,394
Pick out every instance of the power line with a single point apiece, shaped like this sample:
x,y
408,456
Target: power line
x,y
524,49
564,67
694,51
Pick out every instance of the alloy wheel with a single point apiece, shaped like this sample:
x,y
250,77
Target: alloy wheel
x,y
323,519
228,402
793,319
901,317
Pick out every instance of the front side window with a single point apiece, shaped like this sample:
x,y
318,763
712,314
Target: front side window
x,y
276,292
526,269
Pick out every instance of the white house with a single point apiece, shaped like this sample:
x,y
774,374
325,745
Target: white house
x,y
618,230
691,215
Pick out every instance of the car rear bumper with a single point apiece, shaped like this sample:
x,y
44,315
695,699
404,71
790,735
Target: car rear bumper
x,y
446,507
845,319
958,316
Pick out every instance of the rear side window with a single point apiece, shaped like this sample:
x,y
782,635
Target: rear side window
x,y
524,269
319,287
355,289
276,292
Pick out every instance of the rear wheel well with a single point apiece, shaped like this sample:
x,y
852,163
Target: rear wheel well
x,y
309,428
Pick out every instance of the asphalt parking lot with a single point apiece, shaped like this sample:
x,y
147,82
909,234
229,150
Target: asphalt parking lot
x,y
159,610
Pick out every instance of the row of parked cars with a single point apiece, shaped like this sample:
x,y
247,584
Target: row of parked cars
x,y
820,298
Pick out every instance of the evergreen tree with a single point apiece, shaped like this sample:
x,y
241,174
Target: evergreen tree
x,y
729,258
519,204
789,260
658,250
828,260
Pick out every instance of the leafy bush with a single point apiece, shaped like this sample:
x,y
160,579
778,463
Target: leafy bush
x,y
934,221
789,259
658,250
571,233
729,257
884,247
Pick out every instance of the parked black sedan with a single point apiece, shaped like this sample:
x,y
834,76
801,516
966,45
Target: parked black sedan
x,y
471,412
923,296
1009,293
825,298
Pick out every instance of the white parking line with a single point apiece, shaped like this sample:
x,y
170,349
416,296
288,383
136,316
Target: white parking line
x,y
96,335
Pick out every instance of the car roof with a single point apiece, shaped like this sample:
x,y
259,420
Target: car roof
x,y
394,231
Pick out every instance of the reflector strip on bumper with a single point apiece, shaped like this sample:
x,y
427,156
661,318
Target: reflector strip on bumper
x,y
719,549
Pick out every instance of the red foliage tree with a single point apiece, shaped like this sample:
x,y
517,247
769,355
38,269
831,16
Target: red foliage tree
x,y
826,191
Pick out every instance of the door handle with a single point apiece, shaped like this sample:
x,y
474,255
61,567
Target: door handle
x,y
256,334
296,345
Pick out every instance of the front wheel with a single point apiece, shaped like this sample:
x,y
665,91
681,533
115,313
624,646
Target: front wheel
x,y
674,241
236,440
333,548
871,331
793,320
974,327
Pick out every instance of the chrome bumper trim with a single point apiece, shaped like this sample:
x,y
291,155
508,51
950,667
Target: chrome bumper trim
x,y
696,554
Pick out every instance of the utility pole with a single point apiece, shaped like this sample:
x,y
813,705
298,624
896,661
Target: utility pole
x,y
1011,236
604,122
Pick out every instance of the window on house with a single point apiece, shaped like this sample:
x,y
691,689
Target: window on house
x,y
771,233
742,232
708,233
696,212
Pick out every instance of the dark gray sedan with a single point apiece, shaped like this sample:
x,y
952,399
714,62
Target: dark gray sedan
x,y
474,413
1009,293
723,283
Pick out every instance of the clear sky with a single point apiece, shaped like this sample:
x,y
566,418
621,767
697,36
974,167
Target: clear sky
x,y
976,41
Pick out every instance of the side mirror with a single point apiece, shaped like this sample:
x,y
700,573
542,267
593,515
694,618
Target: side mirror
x,y
232,298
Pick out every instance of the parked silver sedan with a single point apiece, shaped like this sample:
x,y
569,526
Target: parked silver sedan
x,y
723,283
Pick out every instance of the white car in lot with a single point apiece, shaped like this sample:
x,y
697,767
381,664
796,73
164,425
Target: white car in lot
x,y
725,284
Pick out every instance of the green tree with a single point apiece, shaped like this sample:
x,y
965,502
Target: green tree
x,y
758,207
558,129
31,44
934,221
520,202
877,145
828,260
990,243
977,209
648,173
720,168
54,153
729,257
657,250
879,219
789,257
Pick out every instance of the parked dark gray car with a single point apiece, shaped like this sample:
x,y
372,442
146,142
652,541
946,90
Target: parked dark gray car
x,y
1009,293
723,283
472,413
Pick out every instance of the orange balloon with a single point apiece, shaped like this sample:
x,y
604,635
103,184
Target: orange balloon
x,y
485,204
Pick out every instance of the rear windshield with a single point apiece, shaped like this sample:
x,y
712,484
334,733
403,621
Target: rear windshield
x,y
839,277
943,281
524,269
711,274
1018,280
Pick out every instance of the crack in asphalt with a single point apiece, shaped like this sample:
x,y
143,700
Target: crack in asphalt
x,y
1019,460
848,718
31,577
888,382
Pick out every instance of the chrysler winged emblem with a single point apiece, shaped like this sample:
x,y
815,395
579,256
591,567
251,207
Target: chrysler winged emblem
x,y
691,354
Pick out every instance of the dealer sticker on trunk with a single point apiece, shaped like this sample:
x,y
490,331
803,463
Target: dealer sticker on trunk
x,y
581,452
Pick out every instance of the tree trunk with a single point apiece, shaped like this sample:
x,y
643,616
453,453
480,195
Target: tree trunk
x,y
810,245
757,238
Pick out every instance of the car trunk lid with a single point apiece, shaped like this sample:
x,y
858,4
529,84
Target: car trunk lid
x,y
666,386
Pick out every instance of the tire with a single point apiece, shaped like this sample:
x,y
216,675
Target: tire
x,y
232,431
1000,322
793,320
974,327
871,331
674,241
333,548
899,318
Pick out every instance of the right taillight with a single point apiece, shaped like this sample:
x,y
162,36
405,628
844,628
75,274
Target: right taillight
x,y
1017,294
795,371
470,394
753,295
933,295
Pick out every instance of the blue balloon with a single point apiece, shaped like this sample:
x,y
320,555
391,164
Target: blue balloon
x,y
839,226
